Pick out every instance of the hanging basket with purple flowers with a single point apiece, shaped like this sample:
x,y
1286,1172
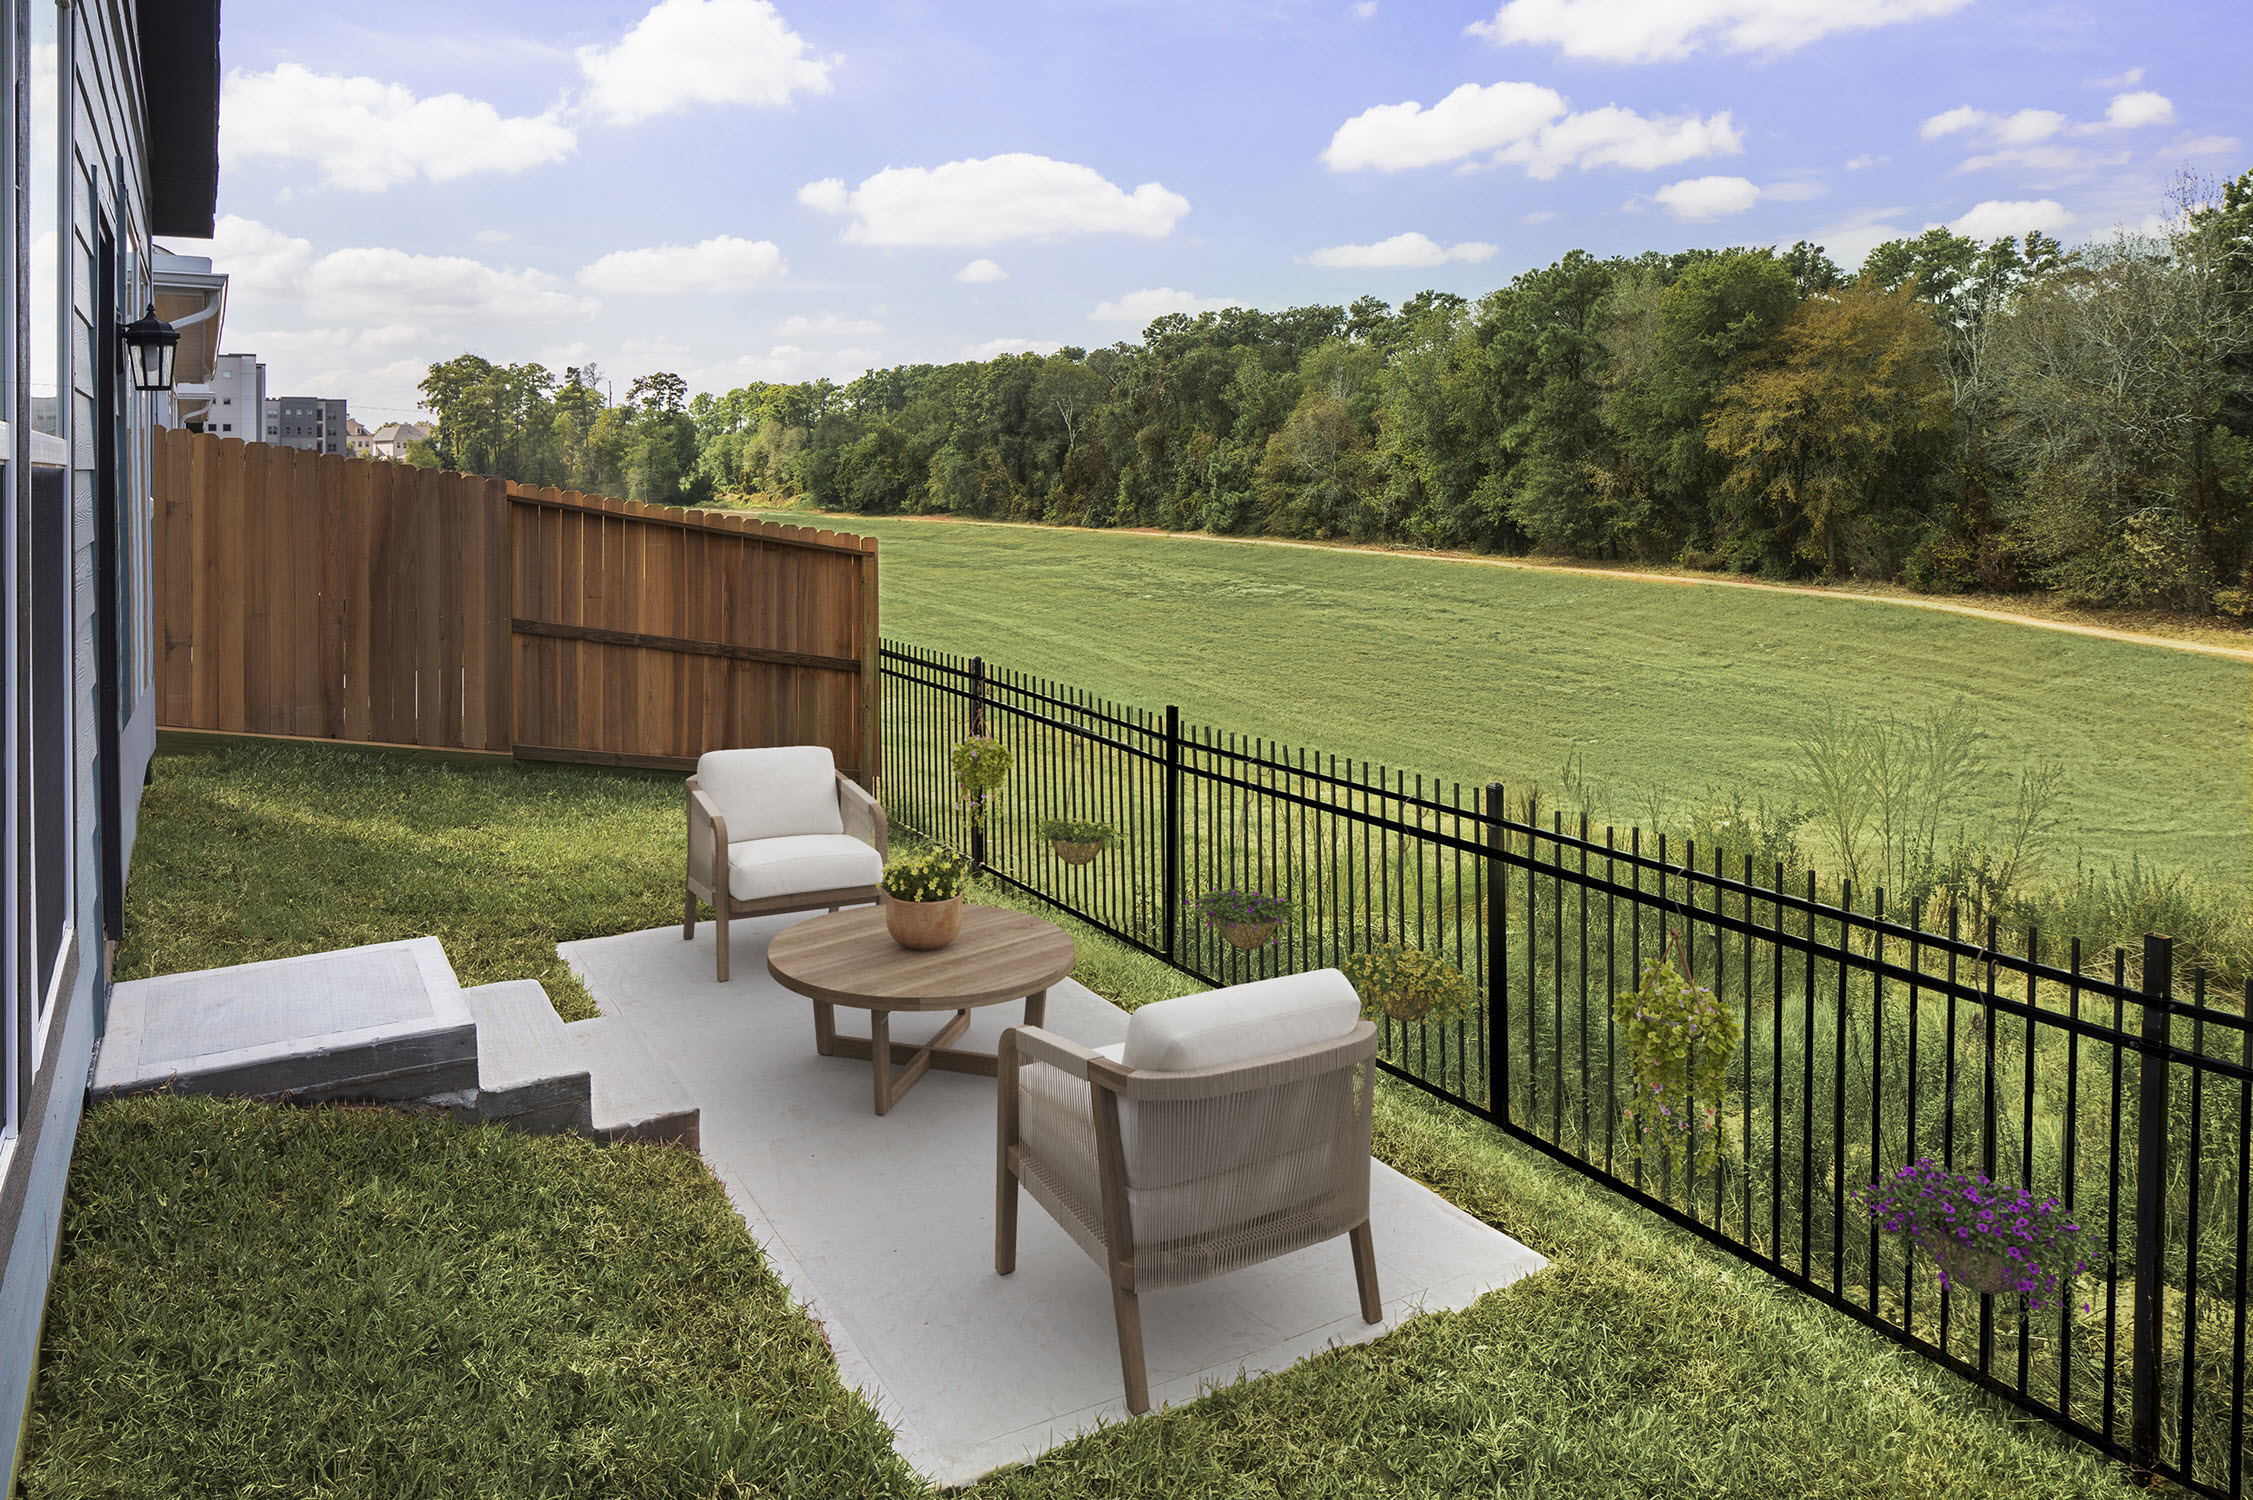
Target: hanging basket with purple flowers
x,y
1985,1238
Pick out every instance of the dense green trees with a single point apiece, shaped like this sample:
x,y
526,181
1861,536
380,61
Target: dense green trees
x,y
1958,414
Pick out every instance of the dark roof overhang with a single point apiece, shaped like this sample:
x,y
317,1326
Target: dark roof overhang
x,y
180,86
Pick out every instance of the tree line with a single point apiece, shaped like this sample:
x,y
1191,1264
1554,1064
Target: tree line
x,y
1954,414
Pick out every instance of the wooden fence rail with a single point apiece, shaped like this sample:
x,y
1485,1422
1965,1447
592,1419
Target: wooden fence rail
x,y
324,597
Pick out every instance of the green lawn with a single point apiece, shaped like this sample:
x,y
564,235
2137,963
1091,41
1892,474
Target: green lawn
x,y
257,1300
1665,690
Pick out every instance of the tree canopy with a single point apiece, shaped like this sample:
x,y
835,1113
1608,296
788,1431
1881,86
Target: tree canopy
x,y
1956,413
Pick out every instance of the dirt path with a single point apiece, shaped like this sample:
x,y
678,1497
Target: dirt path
x,y
1682,580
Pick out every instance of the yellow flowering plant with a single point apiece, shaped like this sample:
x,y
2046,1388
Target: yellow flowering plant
x,y
1408,984
937,874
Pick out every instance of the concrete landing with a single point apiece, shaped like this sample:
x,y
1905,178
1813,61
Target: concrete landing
x,y
883,1227
383,1022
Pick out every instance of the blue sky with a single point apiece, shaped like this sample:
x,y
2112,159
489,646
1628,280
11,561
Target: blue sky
x,y
739,190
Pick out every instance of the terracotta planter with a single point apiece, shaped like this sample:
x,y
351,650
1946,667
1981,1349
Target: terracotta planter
x,y
1249,935
923,925
1076,853
1975,1270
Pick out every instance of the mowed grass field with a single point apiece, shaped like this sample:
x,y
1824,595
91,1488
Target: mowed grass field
x,y
1675,691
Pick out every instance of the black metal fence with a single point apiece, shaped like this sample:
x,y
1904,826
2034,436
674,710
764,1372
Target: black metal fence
x,y
1870,1038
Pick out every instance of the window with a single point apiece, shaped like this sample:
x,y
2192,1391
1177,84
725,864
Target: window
x,y
45,224
50,792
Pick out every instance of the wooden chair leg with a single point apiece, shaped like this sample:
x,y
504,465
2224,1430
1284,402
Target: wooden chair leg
x,y
720,934
1005,1217
688,915
1126,1307
1365,1273
1006,1140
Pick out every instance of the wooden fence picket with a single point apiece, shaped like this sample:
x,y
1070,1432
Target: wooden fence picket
x,y
322,597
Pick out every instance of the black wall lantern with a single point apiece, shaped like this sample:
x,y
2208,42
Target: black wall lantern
x,y
153,342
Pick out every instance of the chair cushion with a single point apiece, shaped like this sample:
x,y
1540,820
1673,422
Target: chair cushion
x,y
796,864
1242,1023
768,794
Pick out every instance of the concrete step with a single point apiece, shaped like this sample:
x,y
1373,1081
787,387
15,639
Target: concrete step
x,y
384,1022
529,1074
635,1096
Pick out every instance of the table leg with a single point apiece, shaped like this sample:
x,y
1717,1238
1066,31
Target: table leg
x,y
825,1029
1036,1008
880,1057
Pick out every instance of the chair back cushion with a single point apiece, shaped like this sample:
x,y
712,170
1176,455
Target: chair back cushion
x,y
1242,1023
770,794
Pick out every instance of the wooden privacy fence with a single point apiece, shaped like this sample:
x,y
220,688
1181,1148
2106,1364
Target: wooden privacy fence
x,y
334,598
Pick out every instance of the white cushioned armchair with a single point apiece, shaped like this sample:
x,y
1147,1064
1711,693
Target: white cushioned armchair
x,y
1229,1128
778,830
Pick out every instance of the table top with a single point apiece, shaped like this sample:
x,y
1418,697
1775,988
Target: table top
x,y
848,958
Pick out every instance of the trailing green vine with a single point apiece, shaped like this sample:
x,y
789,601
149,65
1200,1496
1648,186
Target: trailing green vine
x,y
1680,1038
981,766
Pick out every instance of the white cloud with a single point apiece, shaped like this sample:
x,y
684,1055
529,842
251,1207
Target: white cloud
x,y
2052,158
1850,240
981,272
367,135
1950,121
1364,9
1793,190
2032,140
1139,309
1999,217
1866,159
783,363
2129,111
688,52
1015,196
826,196
722,263
2029,127
1411,249
996,348
2208,145
491,236
376,284
1639,31
1526,124
1696,199
1539,216
2127,80
827,324
1394,137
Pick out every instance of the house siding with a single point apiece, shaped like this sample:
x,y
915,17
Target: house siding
x,y
104,171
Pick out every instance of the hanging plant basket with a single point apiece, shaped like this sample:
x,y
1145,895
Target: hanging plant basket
x,y
1076,841
1249,935
1972,1270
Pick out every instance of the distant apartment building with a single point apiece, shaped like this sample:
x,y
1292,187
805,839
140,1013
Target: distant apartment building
x,y
356,437
392,440
314,423
237,397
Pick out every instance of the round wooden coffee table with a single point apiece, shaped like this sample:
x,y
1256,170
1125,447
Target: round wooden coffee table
x,y
847,958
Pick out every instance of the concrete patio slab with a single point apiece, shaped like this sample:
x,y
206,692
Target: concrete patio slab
x,y
387,1021
883,1226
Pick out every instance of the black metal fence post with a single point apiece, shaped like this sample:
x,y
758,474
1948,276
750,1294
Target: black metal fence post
x,y
2151,1203
978,727
1173,833
1497,953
